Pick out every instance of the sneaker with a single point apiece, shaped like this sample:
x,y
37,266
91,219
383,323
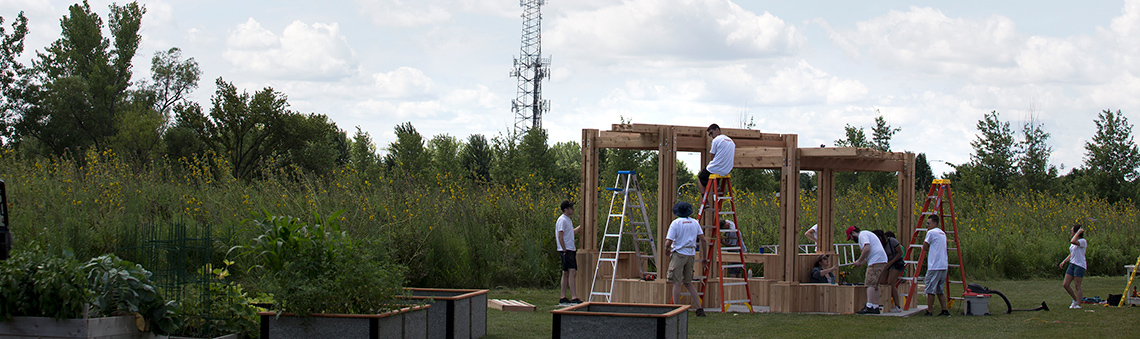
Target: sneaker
x,y
576,301
928,314
1075,306
944,313
896,309
868,310
563,301
700,312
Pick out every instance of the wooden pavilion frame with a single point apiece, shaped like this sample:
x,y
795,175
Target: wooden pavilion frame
x,y
782,287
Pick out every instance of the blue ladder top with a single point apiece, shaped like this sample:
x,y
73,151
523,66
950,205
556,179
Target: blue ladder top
x,y
627,172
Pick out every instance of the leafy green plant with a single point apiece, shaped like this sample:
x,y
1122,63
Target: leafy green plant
x,y
316,268
121,287
227,308
37,283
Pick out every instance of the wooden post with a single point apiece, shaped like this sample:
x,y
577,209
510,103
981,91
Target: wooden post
x,y
825,218
588,193
789,208
906,201
666,195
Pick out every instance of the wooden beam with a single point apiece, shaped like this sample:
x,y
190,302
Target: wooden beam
x,y
622,140
851,164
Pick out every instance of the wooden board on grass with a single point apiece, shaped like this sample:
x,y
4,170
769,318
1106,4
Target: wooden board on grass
x,y
510,305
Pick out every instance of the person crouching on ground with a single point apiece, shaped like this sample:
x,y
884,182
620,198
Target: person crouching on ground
x,y
684,235
564,236
1076,270
875,258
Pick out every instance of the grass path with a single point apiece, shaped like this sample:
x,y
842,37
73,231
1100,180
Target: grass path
x,y
1094,321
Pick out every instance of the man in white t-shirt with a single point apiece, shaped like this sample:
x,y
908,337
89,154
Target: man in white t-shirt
x,y
684,235
723,153
936,265
564,237
875,258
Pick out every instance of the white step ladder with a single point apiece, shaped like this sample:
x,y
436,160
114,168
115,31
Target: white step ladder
x,y
633,214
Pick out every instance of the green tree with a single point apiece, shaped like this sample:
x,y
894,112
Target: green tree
x,y
407,158
477,158
85,77
362,155
251,130
1033,158
923,174
444,151
535,157
1112,158
319,146
15,78
881,134
142,123
991,166
567,163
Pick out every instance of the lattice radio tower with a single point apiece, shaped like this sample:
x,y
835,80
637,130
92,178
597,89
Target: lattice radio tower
x,y
531,68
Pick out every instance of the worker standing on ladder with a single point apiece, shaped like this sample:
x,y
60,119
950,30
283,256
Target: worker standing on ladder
x,y
875,258
681,241
564,233
937,263
723,153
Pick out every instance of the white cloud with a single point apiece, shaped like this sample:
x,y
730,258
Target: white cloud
x,y
402,13
671,29
302,51
402,83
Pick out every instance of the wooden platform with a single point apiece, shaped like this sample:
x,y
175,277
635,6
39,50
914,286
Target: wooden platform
x,y
510,305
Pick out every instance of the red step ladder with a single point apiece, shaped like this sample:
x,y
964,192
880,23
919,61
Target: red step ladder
x,y
720,189
938,201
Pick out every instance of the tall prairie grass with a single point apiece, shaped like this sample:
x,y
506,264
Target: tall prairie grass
x,y
450,232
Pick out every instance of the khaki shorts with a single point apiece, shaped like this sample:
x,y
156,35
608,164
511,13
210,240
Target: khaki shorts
x,y
683,264
873,273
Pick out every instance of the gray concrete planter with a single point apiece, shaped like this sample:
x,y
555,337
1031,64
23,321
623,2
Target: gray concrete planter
x,y
455,313
410,322
615,320
122,327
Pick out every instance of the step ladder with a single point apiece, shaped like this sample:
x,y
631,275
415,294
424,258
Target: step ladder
x,y
634,215
717,193
938,202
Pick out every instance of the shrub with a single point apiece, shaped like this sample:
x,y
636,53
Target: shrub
x,y
121,287
37,283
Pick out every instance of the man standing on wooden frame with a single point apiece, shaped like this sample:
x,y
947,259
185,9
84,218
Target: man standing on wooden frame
x,y
564,233
723,153
681,241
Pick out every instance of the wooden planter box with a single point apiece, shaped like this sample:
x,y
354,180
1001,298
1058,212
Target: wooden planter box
x,y
615,320
409,322
456,313
122,327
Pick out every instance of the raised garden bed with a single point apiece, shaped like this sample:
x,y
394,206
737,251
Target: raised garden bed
x,y
122,327
409,322
456,313
616,320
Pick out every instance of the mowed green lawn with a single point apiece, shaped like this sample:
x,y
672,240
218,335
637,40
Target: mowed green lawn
x,y
1090,321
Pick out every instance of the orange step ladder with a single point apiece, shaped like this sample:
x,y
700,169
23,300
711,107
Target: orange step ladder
x,y
938,201
720,189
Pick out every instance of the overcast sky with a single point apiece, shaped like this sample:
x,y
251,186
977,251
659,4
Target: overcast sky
x,y
932,68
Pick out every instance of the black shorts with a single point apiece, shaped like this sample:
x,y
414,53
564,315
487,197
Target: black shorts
x,y
569,260
703,176
898,266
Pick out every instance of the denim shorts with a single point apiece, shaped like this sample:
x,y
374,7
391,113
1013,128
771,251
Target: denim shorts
x,y
1075,271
